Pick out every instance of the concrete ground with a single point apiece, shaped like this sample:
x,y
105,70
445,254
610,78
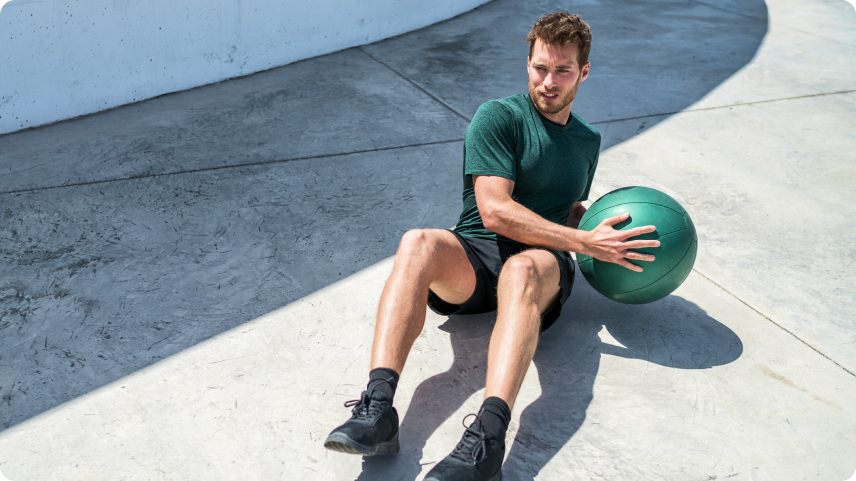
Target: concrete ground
x,y
188,284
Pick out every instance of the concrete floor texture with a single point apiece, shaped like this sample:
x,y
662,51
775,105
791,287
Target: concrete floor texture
x,y
188,284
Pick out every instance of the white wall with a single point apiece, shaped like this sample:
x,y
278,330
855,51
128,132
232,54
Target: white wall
x,y
64,58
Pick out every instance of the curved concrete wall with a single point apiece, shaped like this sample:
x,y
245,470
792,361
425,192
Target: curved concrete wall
x,y
62,59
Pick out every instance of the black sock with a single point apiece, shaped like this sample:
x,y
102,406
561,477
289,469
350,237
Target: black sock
x,y
495,416
384,381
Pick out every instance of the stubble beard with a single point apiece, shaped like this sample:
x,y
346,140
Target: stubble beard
x,y
553,107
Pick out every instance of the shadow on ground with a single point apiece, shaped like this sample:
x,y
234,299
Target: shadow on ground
x,y
104,278
672,332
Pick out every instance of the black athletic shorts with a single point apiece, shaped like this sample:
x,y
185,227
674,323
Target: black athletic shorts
x,y
487,258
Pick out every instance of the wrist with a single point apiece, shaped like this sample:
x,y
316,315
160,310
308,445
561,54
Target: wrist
x,y
579,241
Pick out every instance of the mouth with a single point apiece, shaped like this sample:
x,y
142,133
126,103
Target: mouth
x,y
548,96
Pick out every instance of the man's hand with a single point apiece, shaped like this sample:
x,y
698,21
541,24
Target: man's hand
x,y
609,245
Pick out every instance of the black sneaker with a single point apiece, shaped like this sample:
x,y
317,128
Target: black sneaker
x,y
478,457
372,429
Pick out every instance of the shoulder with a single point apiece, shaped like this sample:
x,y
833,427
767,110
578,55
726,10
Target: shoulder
x,y
585,128
502,114
511,108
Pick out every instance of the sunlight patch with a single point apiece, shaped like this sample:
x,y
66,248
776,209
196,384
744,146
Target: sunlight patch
x,y
606,338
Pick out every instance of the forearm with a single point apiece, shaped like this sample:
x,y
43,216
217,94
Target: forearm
x,y
516,222
502,214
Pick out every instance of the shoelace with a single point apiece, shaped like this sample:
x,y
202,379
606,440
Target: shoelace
x,y
363,408
473,446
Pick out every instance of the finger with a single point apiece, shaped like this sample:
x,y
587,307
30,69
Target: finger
x,y
629,265
638,231
639,256
640,244
615,219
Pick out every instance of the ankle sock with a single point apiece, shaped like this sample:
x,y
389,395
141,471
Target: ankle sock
x,y
495,416
384,381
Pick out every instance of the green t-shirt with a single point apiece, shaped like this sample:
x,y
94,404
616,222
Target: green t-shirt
x,y
552,165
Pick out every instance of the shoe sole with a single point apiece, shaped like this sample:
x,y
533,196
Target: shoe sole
x,y
498,477
344,444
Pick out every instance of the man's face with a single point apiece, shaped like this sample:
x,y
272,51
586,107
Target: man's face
x,y
554,75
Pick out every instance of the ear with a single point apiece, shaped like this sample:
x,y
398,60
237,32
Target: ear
x,y
585,71
528,62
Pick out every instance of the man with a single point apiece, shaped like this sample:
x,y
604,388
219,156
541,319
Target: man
x,y
528,164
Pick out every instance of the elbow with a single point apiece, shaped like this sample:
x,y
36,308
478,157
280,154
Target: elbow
x,y
489,224
491,220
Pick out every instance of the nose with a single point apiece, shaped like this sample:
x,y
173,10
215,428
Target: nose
x,y
548,80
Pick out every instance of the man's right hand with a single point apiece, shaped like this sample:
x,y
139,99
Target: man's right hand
x,y
610,245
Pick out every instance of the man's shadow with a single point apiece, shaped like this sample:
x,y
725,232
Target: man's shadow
x,y
672,332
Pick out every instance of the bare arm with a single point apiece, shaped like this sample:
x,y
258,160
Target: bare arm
x,y
503,215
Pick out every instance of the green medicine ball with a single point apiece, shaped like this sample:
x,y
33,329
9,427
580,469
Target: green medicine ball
x,y
673,259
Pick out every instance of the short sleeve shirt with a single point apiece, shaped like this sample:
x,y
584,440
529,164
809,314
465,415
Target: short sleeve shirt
x,y
552,165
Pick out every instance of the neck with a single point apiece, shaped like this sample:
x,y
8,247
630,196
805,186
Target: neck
x,y
561,117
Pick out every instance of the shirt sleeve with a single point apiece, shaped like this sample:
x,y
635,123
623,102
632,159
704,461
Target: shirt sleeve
x,y
489,146
585,195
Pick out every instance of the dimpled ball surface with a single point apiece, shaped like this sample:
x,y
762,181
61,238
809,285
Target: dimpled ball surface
x,y
674,258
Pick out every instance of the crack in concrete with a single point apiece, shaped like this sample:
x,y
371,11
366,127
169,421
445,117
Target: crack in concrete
x,y
775,323
231,166
723,107
381,149
413,82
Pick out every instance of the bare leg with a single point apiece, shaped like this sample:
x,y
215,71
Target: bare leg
x,y
425,259
528,285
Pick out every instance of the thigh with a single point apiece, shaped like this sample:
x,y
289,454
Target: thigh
x,y
537,266
452,275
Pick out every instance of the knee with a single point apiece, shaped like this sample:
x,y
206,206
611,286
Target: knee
x,y
519,272
415,244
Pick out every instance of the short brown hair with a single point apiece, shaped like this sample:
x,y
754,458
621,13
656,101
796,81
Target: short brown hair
x,y
560,28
